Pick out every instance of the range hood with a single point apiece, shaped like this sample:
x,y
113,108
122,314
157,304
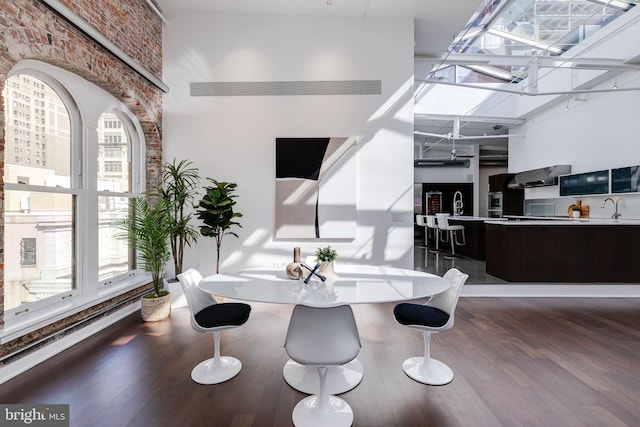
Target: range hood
x,y
539,177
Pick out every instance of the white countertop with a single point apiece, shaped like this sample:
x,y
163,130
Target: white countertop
x,y
566,221
474,218
547,220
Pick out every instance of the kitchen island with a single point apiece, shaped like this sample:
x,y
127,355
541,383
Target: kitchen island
x,y
570,251
474,230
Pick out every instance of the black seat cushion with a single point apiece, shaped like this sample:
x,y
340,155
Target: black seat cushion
x,y
416,314
226,314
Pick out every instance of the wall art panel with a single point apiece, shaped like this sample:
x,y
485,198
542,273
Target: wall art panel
x,y
315,188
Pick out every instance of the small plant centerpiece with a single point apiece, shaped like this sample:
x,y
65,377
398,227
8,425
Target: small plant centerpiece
x,y
147,230
216,212
327,256
575,210
179,183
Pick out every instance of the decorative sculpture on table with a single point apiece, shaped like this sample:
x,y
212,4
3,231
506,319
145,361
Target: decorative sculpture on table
x,y
294,269
313,272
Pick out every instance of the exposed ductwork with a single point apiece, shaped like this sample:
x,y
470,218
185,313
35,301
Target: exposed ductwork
x,y
539,177
435,163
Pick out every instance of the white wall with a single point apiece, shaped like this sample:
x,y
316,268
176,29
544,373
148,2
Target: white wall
x,y
598,131
594,133
233,138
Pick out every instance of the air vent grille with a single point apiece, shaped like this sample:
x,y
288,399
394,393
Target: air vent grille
x,y
287,88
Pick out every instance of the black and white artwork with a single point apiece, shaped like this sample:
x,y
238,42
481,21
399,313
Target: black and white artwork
x,y
315,188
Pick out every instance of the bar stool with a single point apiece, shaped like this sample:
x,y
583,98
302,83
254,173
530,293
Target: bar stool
x,y
451,233
420,222
432,223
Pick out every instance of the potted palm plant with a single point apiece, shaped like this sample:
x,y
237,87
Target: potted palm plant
x,y
148,230
217,214
180,181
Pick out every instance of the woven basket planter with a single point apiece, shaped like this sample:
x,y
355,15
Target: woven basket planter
x,y
154,309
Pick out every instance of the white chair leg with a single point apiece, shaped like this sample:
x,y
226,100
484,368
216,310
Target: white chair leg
x,y
444,237
217,369
340,379
322,410
425,369
323,399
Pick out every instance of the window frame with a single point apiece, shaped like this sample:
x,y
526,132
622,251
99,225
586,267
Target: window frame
x,y
78,96
133,152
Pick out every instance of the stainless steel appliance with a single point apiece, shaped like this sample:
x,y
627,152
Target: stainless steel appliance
x,y
494,204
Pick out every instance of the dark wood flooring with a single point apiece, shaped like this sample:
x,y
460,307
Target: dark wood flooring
x,y
518,362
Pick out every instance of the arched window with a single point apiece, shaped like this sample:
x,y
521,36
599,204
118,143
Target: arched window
x,y
40,196
73,157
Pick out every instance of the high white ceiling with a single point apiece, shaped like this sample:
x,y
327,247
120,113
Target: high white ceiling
x,y
435,24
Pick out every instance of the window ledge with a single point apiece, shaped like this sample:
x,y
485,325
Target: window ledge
x,y
17,326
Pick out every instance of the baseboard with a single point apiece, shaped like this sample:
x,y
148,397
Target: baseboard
x,y
553,290
15,368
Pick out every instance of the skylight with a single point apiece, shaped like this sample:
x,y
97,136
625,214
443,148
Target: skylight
x,y
531,28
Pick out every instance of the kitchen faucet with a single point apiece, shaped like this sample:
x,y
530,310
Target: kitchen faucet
x,y
616,214
457,203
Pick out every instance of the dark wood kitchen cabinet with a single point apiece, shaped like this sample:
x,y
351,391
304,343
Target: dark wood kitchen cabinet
x,y
474,232
570,253
512,198
500,182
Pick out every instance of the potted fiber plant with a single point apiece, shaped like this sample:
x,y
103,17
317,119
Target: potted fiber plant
x,y
180,181
148,230
216,212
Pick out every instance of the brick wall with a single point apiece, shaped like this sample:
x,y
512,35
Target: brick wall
x,y
130,24
31,30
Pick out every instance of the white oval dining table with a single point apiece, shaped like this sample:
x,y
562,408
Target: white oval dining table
x,y
356,284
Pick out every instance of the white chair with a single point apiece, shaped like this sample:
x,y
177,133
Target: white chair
x,y
435,315
322,337
451,233
208,316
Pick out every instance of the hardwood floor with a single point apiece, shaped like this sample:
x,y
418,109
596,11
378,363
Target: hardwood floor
x,y
518,362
